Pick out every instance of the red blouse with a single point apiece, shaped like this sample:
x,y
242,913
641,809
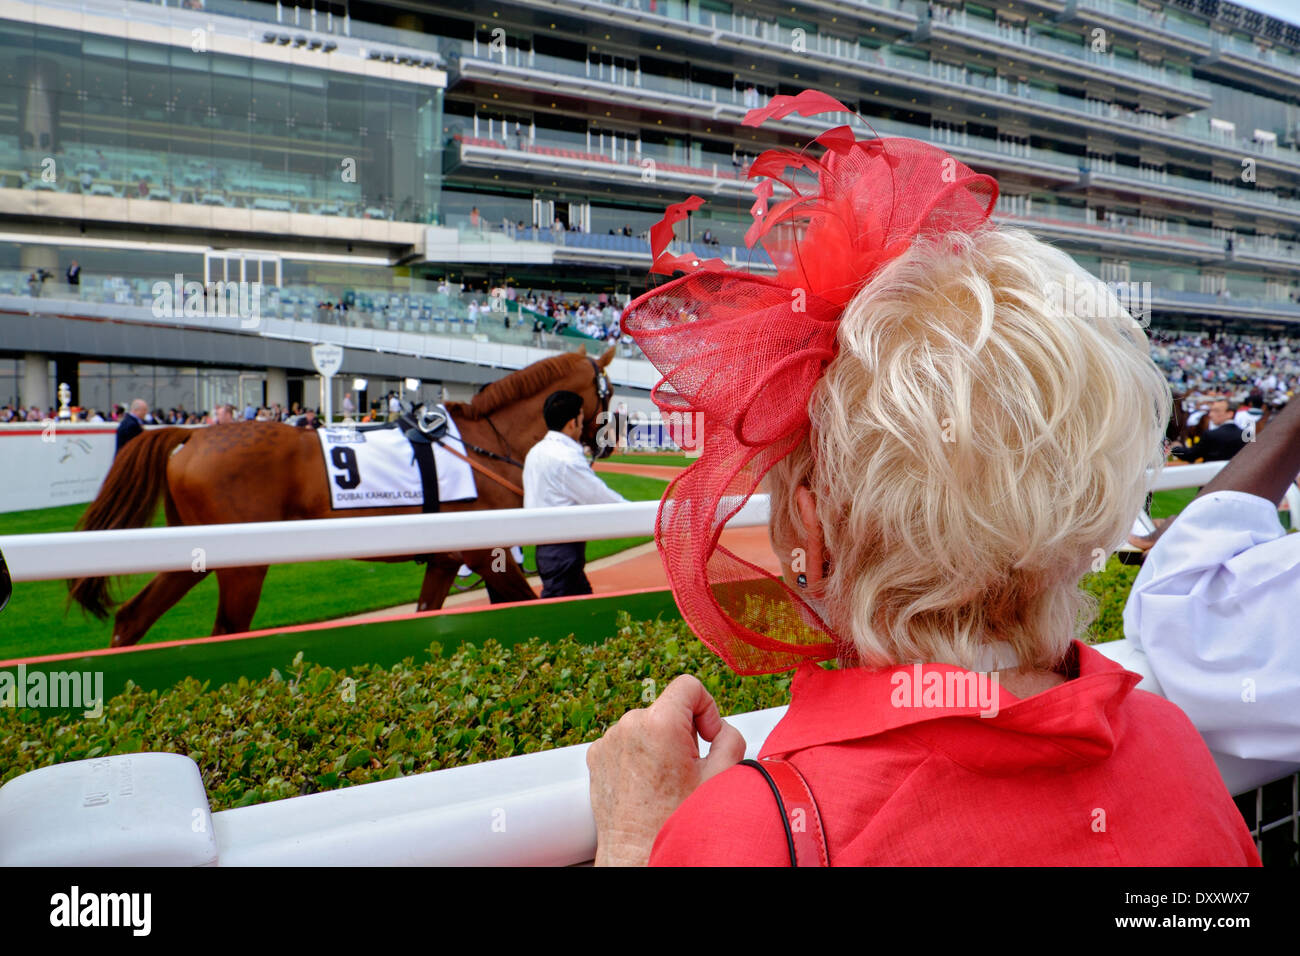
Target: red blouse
x,y
1088,773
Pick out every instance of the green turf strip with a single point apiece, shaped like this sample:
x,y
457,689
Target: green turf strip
x,y
670,459
382,643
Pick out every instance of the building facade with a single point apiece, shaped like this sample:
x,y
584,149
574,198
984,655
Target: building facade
x,y
396,176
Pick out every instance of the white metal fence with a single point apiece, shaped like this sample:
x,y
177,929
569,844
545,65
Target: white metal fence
x,y
75,554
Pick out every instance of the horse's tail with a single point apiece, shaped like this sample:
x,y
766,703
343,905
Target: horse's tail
x,y
127,499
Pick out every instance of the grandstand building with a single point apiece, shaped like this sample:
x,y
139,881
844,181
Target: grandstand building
x,y
378,167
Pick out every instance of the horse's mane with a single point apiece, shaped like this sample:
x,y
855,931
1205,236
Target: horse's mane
x,y
521,384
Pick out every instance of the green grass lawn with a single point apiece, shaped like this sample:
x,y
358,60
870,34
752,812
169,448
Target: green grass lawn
x,y
36,623
1166,503
672,459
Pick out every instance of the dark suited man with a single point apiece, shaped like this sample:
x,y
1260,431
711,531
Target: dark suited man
x,y
556,473
1221,440
132,423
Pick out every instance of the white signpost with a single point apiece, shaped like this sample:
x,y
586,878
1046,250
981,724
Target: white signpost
x,y
328,359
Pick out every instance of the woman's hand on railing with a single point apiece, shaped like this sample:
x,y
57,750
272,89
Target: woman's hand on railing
x,y
649,762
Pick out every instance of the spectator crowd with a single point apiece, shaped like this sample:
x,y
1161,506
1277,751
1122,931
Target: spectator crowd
x,y
1229,365
293,414
595,318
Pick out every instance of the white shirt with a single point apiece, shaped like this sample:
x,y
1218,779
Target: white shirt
x,y
556,473
1215,608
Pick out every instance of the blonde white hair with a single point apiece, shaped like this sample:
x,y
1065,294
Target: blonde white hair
x,y
983,435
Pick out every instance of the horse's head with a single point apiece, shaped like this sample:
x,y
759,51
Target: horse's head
x,y
527,389
597,395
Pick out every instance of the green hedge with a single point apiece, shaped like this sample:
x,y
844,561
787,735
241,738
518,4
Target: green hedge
x,y
312,728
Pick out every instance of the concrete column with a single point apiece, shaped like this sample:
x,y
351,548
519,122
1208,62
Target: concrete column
x,y
36,381
277,387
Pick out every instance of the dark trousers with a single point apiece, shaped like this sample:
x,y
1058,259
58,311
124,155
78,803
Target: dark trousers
x,y
561,568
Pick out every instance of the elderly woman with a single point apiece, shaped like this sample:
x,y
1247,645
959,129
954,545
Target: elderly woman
x,y
954,421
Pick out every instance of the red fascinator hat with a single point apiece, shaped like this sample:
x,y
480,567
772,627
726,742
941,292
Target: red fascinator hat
x,y
740,353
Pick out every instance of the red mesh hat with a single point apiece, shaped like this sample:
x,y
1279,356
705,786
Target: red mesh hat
x,y
740,353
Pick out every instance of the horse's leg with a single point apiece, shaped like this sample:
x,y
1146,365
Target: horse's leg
x,y
137,615
438,578
505,586
240,590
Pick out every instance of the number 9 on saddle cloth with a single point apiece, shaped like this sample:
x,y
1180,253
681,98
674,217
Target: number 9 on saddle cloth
x,y
397,464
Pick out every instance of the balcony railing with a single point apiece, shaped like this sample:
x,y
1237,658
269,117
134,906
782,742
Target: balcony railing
x,y
548,143
1131,69
1195,126
456,314
1155,21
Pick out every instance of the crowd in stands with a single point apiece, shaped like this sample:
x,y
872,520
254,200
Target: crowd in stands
x,y
1232,365
16,413
293,414
597,319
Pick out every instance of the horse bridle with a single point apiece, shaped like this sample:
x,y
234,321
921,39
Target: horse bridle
x,y
604,391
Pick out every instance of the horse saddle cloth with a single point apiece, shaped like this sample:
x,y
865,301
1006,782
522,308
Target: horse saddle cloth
x,y
382,467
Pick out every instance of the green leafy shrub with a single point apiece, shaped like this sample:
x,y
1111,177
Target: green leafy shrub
x,y
312,728
1111,587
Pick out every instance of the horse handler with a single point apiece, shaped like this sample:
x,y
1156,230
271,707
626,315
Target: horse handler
x,y
556,473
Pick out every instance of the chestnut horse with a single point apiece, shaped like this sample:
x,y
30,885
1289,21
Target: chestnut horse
x,y
267,471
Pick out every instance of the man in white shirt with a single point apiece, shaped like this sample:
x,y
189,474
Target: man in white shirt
x,y
1214,607
556,473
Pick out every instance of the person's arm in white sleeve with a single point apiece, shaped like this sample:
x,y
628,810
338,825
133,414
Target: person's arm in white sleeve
x,y
585,485
1216,607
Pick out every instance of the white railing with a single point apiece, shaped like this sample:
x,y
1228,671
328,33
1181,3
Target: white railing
x,y
1194,476
43,557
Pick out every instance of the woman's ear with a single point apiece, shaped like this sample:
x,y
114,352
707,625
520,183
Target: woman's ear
x,y
812,540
